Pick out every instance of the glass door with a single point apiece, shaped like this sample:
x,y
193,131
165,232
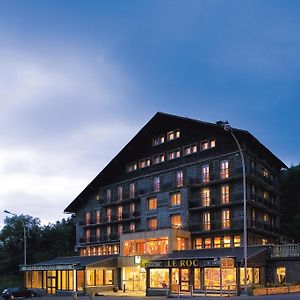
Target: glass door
x,y
175,280
184,278
51,282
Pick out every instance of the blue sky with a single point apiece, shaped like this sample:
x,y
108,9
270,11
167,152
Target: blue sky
x,y
79,78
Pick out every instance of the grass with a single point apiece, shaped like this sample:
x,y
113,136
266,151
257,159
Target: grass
x,y
11,280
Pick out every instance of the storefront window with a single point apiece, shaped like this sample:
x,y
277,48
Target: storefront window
x,y
59,280
80,280
159,278
281,273
212,278
175,280
71,281
229,278
197,278
64,280
90,277
249,276
108,275
99,277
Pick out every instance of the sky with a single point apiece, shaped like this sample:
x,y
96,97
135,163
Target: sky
x,y
78,79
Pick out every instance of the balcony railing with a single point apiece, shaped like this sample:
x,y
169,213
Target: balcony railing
x,y
290,250
100,239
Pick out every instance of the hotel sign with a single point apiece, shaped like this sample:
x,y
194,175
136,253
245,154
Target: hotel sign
x,y
227,262
184,263
47,268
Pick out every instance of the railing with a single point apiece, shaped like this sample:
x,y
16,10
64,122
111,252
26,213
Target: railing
x,y
290,250
99,239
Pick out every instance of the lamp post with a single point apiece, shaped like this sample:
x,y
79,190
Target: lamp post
x,y
229,129
24,231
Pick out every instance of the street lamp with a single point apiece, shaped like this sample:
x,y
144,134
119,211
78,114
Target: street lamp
x,y
24,231
229,129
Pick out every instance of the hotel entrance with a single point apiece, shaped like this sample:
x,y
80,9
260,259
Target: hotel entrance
x,y
134,279
51,282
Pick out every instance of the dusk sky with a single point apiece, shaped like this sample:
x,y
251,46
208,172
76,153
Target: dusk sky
x,y
78,79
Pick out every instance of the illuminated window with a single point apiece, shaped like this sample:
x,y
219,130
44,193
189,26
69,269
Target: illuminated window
x,y
266,218
227,241
108,195
176,221
97,197
237,241
120,193
181,243
206,221
132,207
132,226
156,184
207,243
88,235
217,242
204,145
98,234
205,173
264,241
88,218
175,199
108,275
144,163
225,198
172,135
158,158
152,223
108,230
281,274
224,166
225,219
132,190
99,277
174,154
253,214
108,214
212,143
120,229
190,149
119,212
159,278
205,195
98,219
179,179
158,140
132,167
265,173
266,195
152,203
198,243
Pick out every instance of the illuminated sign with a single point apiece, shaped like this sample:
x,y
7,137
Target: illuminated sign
x,y
137,259
227,262
154,264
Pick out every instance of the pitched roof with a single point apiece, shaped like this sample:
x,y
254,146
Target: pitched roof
x,y
155,124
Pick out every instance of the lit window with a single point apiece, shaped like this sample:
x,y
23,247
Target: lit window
x,y
204,145
132,167
108,195
98,234
158,140
212,143
179,179
264,241
172,135
227,241
176,221
224,169
132,207
120,229
156,184
266,195
206,221
159,278
132,190
152,203
132,226
108,230
174,154
98,216
198,243
181,243
266,218
175,199
108,214
190,149
120,193
144,163
97,197
152,223
281,274
88,235
205,173
88,218
158,158
205,195
225,194
237,241
225,219
217,242
120,212
265,173
207,243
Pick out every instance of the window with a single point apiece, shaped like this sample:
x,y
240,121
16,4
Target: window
x,y
132,226
159,278
176,199
181,243
132,190
132,207
198,243
174,154
225,198
108,275
264,241
97,197
237,241
158,158
108,230
98,216
207,243
265,173
88,235
266,195
205,196
108,214
152,203
179,179
176,221
217,242
158,140
281,274
108,195
132,167
120,229
206,221
152,223
204,145
172,135
253,192
224,166
88,218
144,163
120,193
212,143
227,241
205,173
156,184
190,149
119,212
225,219
266,218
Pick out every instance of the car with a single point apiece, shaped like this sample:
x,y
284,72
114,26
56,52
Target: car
x,y
11,293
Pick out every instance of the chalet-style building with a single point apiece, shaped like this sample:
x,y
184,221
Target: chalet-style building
x,y
167,213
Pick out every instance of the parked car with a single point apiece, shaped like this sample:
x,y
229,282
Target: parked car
x,y
11,293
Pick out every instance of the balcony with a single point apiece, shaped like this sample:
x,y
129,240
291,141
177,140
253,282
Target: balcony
x,y
265,202
100,239
115,200
290,250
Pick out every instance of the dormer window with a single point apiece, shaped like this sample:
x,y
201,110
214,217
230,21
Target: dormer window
x,y
207,144
158,158
132,167
174,154
172,135
158,140
190,149
145,162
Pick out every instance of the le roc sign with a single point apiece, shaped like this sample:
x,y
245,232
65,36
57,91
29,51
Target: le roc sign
x,y
183,263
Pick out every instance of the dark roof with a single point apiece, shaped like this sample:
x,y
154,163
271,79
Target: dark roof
x,y
156,122
237,252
